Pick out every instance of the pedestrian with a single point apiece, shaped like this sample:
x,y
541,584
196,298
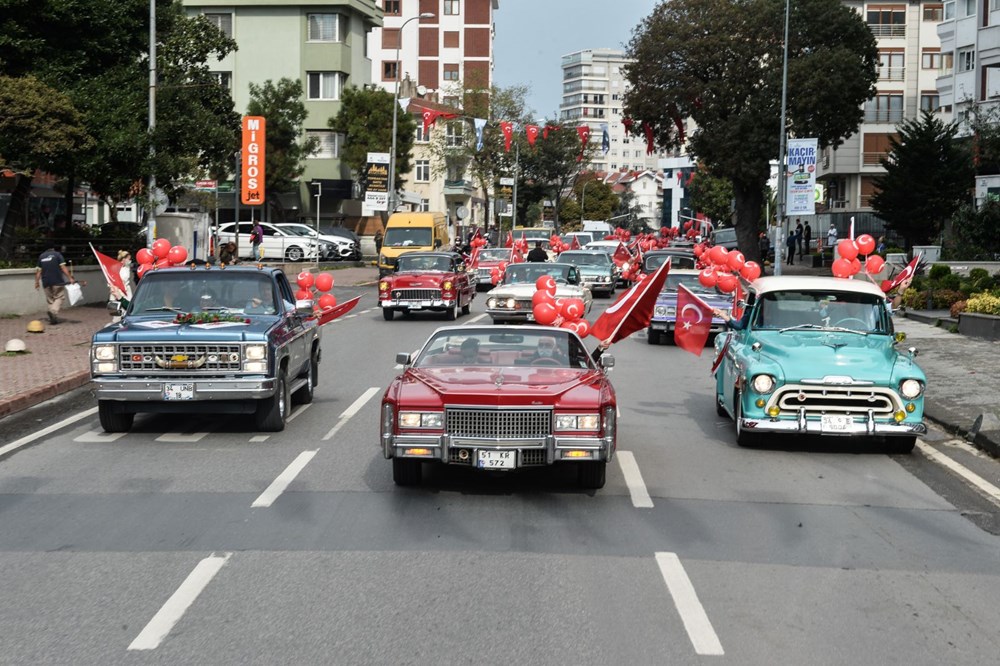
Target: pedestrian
x,y
790,244
831,237
539,253
807,236
765,246
256,238
799,229
227,253
378,241
880,248
52,274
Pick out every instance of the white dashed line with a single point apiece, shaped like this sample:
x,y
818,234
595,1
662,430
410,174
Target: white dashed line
x,y
181,437
259,438
284,479
99,436
696,622
476,318
157,629
298,411
992,492
351,411
633,479
24,441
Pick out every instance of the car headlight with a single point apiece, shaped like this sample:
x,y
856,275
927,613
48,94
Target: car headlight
x,y
510,303
763,384
104,353
446,285
660,310
255,366
383,286
578,422
911,388
421,420
255,352
491,303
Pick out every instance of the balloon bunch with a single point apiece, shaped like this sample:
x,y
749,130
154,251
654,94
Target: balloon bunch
x,y
161,255
563,312
478,241
723,269
632,271
497,272
849,264
557,245
323,283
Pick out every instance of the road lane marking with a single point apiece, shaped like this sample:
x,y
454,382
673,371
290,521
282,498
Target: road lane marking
x,y
99,436
181,437
284,479
351,411
633,479
259,438
991,491
28,439
157,629
696,622
476,318
298,411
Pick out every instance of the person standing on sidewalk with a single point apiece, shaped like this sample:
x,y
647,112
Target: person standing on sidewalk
x,y
807,236
256,238
793,237
798,234
53,275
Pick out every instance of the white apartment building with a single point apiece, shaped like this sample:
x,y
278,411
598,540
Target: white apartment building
x,y
970,56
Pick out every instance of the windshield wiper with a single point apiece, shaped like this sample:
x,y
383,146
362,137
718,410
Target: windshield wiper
x,y
164,308
817,327
219,308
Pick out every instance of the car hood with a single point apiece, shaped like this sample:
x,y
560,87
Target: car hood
x,y
527,290
418,280
500,386
163,331
669,298
816,354
594,270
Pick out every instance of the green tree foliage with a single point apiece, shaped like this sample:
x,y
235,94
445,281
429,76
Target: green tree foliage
x,y
553,165
985,143
627,206
39,126
286,148
975,234
927,177
598,200
719,63
711,195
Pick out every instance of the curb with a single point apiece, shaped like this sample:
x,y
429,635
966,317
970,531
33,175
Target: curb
x,y
987,442
41,394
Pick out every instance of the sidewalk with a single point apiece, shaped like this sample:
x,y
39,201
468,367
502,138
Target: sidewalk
x,y
59,358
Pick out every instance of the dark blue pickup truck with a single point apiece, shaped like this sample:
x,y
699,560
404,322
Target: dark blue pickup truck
x,y
210,340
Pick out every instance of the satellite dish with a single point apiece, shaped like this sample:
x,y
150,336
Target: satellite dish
x,y
461,212
421,90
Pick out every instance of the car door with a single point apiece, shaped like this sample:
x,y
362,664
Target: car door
x,y
293,332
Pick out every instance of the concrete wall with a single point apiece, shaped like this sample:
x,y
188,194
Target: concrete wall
x,y
18,295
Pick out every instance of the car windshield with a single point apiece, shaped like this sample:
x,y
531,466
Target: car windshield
x,y
528,346
407,237
297,230
204,291
495,254
864,313
530,272
586,258
654,261
423,263
690,281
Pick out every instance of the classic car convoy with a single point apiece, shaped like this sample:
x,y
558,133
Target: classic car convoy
x,y
207,340
490,258
597,270
500,398
818,355
664,321
510,301
435,281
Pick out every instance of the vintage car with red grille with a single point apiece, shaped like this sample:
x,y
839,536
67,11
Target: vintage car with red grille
x,y
500,398
427,281
493,257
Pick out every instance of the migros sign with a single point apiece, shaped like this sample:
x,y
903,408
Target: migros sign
x,y
252,190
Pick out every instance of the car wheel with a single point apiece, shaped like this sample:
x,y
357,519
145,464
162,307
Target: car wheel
x,y
387,313
467,308
719,408
272,412
113,419
452,313
744,438
592,475
406,471
304,395
902,445
293,253
652,336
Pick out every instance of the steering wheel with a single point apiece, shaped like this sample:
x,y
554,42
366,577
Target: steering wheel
x,y
547,361
864,325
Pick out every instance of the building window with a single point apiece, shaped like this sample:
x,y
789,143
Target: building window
x,y
224,79
887,21
970,7
422,136
891,65
324,28
949,10
947,63
451,39
425,205
390,38
884,108
452,7
929,101
390,7
325,85
994,5
454,134
223,22
390,70
930,59
966,60
422,173
934,13
329,144
450,72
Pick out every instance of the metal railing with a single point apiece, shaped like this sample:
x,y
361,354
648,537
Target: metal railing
x,y
891,73
887,29
883,115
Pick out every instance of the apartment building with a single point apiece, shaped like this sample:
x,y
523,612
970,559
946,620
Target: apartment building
x,y
970,56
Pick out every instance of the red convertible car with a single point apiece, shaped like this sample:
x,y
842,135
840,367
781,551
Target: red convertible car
x,y
500,398
490,258
435,281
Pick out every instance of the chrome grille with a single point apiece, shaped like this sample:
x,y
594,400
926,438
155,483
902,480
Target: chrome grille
x,y
485,272
837,399
531,457
416,294
186,358
498,423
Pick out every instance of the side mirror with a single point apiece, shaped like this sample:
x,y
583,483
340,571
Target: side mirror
x,y
607,361
403,358
304,306
115,308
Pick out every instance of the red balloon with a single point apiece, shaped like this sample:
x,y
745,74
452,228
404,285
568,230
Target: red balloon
x,y
718,255
305,280
886,284
161,248
542,297
855,266
582,327
495,275
698,249
327,301
177,254
572,308
688,224
708,277
727,283
161,263
546,283
144,256
324,282
143,268
545,313
841,268
735,260
866,244
750,271
303,295
847,248
874,264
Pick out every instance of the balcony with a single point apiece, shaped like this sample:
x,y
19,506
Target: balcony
x,y
874,159
883,115
891,73
458,188
887,30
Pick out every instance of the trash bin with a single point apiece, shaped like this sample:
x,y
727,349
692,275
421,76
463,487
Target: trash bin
x,y
932,253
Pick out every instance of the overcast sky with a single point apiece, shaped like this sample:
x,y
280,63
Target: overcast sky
x,y
533,35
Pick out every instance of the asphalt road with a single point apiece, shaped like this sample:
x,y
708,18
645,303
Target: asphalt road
x,y
200,541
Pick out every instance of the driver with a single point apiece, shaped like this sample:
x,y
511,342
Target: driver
x,y
470,351
262,302
548,349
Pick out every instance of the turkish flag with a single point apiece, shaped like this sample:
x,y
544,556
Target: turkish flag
x,y
509,242
583,131
112,272
621,255
532,132
516,256
905,275
328,315
633,310
575,245
694,321
648,129
473,260
508,134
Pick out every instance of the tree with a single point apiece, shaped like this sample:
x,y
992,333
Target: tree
x,y
627,206
927,177
595,196
553,165
711,195
975,234
285,149
720,64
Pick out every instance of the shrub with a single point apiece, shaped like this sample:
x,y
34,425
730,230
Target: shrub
x,y
939,271
984,283
977,273
984,304
956,308
949,281
919,283
941,299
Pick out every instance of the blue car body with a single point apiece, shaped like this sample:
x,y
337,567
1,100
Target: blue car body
x,y
661,326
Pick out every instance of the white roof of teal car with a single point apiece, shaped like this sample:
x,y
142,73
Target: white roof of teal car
x,y
859,285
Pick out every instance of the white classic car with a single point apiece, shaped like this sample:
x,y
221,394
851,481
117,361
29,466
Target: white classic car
x,y
510,301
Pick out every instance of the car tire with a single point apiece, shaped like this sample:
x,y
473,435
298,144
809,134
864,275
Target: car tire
x,y
113,418
467,308
272,412
744,438
719,408
304,395
387,313
452,313
652,336
902,445
294,253
407,471
592,475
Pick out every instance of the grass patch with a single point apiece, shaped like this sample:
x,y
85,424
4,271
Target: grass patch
x,y
7,353
8,315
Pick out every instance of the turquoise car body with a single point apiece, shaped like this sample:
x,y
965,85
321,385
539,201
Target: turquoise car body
x,y
597,271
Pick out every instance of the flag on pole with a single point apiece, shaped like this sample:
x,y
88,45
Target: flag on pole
x,y
112,272
509,241
722,354
694,321
473,261
575,244
905,276
621,255
605,138
633,310
329,314
851,232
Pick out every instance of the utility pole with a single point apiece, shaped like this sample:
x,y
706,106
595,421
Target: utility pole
x,y
151,222
782,179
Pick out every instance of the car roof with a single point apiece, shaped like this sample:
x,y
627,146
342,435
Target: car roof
x,y
208,268
811,282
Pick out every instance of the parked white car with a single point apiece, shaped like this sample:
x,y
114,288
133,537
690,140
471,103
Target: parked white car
x,y
279,244
343,248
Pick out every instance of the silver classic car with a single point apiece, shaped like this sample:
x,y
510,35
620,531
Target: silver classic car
x,y
510,301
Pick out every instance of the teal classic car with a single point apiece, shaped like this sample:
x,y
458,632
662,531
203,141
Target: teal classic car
x,y
818,355
597,271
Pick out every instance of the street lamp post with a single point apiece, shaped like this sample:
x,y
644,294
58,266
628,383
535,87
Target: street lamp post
x,y
395,110
782,178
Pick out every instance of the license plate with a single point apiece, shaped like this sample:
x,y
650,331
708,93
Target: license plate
x,y
531,316
497,460
178,391
835,423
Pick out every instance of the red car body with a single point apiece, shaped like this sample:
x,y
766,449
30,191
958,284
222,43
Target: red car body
x,y
506,409
434,281
491,258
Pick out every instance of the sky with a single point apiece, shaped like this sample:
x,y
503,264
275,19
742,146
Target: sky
x,y
532,36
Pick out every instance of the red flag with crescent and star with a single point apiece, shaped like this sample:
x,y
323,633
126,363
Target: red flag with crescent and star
x,y
112,272
430,117
329,314
532,132
583,131
633,310
575,244
694,321
508,134
549,128
648,130
509,241
905,276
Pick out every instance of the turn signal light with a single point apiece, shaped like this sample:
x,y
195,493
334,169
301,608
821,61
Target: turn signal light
x,y
899,416
577,454
910,407
760,402
773,411
417,452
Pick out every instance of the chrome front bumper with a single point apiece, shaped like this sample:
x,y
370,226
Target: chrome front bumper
x,y
865,427
418,304
446,449
147,390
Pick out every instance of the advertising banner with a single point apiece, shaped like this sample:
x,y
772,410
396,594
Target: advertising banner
x,y
801,177
252,187
377,178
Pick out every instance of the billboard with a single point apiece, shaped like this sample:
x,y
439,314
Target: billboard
x,y
252,187
800,177
377,179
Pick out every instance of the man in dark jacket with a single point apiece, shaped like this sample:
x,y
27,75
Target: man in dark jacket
x,y
52,274
538,254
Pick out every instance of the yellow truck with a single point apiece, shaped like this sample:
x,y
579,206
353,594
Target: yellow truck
x,y
408,231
